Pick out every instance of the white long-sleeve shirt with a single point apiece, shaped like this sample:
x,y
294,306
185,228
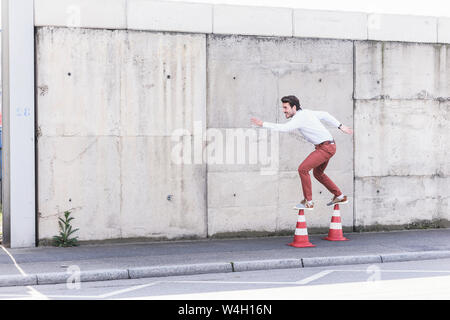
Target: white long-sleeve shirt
x,y
308,123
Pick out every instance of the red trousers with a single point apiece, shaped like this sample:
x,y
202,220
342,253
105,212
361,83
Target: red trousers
x,y
318,160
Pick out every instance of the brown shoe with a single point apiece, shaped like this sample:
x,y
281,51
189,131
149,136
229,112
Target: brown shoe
x,y
304,205
335,200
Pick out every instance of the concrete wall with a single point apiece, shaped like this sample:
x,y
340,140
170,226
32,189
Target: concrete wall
x,y
402,100
108,102
112,92
247,76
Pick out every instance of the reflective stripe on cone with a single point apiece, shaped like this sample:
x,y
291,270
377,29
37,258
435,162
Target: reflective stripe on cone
x,y
301,239
335,232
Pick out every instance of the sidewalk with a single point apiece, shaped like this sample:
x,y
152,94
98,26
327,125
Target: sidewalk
x,y
45,265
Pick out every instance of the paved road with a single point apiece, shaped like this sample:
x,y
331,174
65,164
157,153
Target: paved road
x,y
129,255
428,279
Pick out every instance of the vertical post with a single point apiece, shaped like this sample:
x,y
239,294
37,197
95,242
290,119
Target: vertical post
x,y
18,171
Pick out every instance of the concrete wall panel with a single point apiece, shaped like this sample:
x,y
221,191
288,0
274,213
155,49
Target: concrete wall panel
x,y
127,92
395,202
259,71
392,27
159,15
238,87
80,174
169,16
252,20
108,14
226,189
241,221
163,83
401,70
401,138
78,86
159,198
240,202
330,24
109,103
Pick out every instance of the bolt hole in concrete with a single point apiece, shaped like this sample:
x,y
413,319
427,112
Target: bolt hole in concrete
x,y
69,74
168,76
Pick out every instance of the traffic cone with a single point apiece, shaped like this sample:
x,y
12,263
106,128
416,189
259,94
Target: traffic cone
x,y
335,232
301,239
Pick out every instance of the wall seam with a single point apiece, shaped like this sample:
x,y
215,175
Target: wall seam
x,y
437,30
126,14
205,155
354,133
36,136
293,25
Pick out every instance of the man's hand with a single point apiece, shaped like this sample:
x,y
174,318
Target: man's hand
x,y
346,129
256,122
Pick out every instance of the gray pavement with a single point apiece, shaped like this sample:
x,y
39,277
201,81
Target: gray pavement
x,y
425,280
44,265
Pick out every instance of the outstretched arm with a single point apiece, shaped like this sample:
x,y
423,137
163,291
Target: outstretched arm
x,y
332,121
283,127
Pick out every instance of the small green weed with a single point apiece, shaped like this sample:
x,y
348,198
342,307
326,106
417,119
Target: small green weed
x,y
65,231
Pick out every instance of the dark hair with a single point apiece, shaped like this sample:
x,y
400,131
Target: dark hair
x,y
292,100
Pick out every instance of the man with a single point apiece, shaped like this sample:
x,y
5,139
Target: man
x,y
307,122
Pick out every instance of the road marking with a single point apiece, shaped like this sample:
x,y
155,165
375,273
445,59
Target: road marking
x,y
230,282
36,295
430,288
134,288
31,291
399,270
314,277
14,261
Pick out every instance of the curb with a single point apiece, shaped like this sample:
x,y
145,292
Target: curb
x,y
83,276
179,270
254,265
409,256
205,268
340,260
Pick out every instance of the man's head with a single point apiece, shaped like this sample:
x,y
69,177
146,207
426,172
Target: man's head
x,y
290,106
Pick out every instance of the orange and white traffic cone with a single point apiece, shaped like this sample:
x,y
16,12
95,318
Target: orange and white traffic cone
x,y
335,232
301,239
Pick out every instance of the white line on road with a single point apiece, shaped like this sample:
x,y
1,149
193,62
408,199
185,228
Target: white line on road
x,y
32,291
134,288
227,282
36,295
399,270
14,261
314,277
